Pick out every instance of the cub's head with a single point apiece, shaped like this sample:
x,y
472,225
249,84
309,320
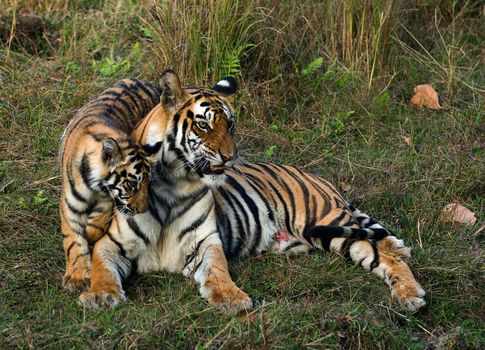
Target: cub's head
x,y
201,137
127,176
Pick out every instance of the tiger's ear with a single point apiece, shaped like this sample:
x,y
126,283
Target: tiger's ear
x,y
226,87
172,92
111,152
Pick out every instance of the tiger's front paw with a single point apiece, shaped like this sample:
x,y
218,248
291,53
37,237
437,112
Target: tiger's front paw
x,y
76,282
102,298
409,295
228,299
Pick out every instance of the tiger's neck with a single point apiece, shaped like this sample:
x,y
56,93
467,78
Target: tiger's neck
x,y
169,173
153,128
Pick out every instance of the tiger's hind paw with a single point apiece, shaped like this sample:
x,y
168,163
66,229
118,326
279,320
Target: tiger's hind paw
x,y
101,298
410,297
394,246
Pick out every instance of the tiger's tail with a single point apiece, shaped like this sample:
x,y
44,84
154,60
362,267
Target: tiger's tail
x,y
368,229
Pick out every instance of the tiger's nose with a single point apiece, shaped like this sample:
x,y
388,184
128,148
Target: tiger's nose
x,y
227,156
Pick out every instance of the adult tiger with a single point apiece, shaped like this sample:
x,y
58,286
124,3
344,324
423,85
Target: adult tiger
x,y
203,207
102,166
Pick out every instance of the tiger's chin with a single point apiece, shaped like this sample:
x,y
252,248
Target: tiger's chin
x,y
214,176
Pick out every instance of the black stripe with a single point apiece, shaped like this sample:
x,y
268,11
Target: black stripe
x,y
251,205
70,247
313,217
230,201
225,229
119,98
345,247
79,255
72,186
289,226
292,245
188,202
154,95
129,92
290,195
233,201
189,258
184,138
375,261
336,221
323,193
73,209
196,223
306,195
258,189
136,229
118,244
85,171
226,237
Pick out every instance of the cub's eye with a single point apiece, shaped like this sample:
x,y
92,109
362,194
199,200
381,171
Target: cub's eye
x,y
202,125
132,184
230,125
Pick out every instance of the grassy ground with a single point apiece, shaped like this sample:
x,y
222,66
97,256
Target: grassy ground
x,y
324,85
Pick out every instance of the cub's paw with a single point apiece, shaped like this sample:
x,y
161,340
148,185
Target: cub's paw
x,y
409,295
101,298
230,299
76,282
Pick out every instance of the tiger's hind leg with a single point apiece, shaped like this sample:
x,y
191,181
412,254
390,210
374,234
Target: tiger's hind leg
x,y
385,259
110,268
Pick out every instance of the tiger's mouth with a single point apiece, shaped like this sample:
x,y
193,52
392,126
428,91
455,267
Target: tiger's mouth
x,y
215,169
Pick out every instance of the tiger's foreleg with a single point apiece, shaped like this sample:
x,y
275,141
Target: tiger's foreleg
x,y
208,266
76,250
385,259
110,268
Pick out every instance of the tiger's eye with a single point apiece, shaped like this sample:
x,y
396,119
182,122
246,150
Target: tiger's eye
x,y
202,125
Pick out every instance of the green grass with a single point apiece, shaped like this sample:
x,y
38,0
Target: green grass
x,y
311,95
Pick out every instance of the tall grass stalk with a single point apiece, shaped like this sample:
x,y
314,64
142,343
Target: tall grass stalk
x,y
203,40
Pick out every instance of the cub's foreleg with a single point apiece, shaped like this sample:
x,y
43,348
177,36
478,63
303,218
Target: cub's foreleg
x,y
110,268
98,224
207,264
76,250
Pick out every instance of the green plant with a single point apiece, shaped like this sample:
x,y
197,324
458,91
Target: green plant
x,y
39,198
231,61
270,151
312,67
339,121
109,66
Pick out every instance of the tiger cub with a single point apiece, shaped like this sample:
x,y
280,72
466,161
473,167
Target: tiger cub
x,y
102,168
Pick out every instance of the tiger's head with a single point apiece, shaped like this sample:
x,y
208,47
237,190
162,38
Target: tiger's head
x,y
198,141
128,171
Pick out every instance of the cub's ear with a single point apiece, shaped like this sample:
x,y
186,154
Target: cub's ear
x,y
152,149
172,92
111,151
227,87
